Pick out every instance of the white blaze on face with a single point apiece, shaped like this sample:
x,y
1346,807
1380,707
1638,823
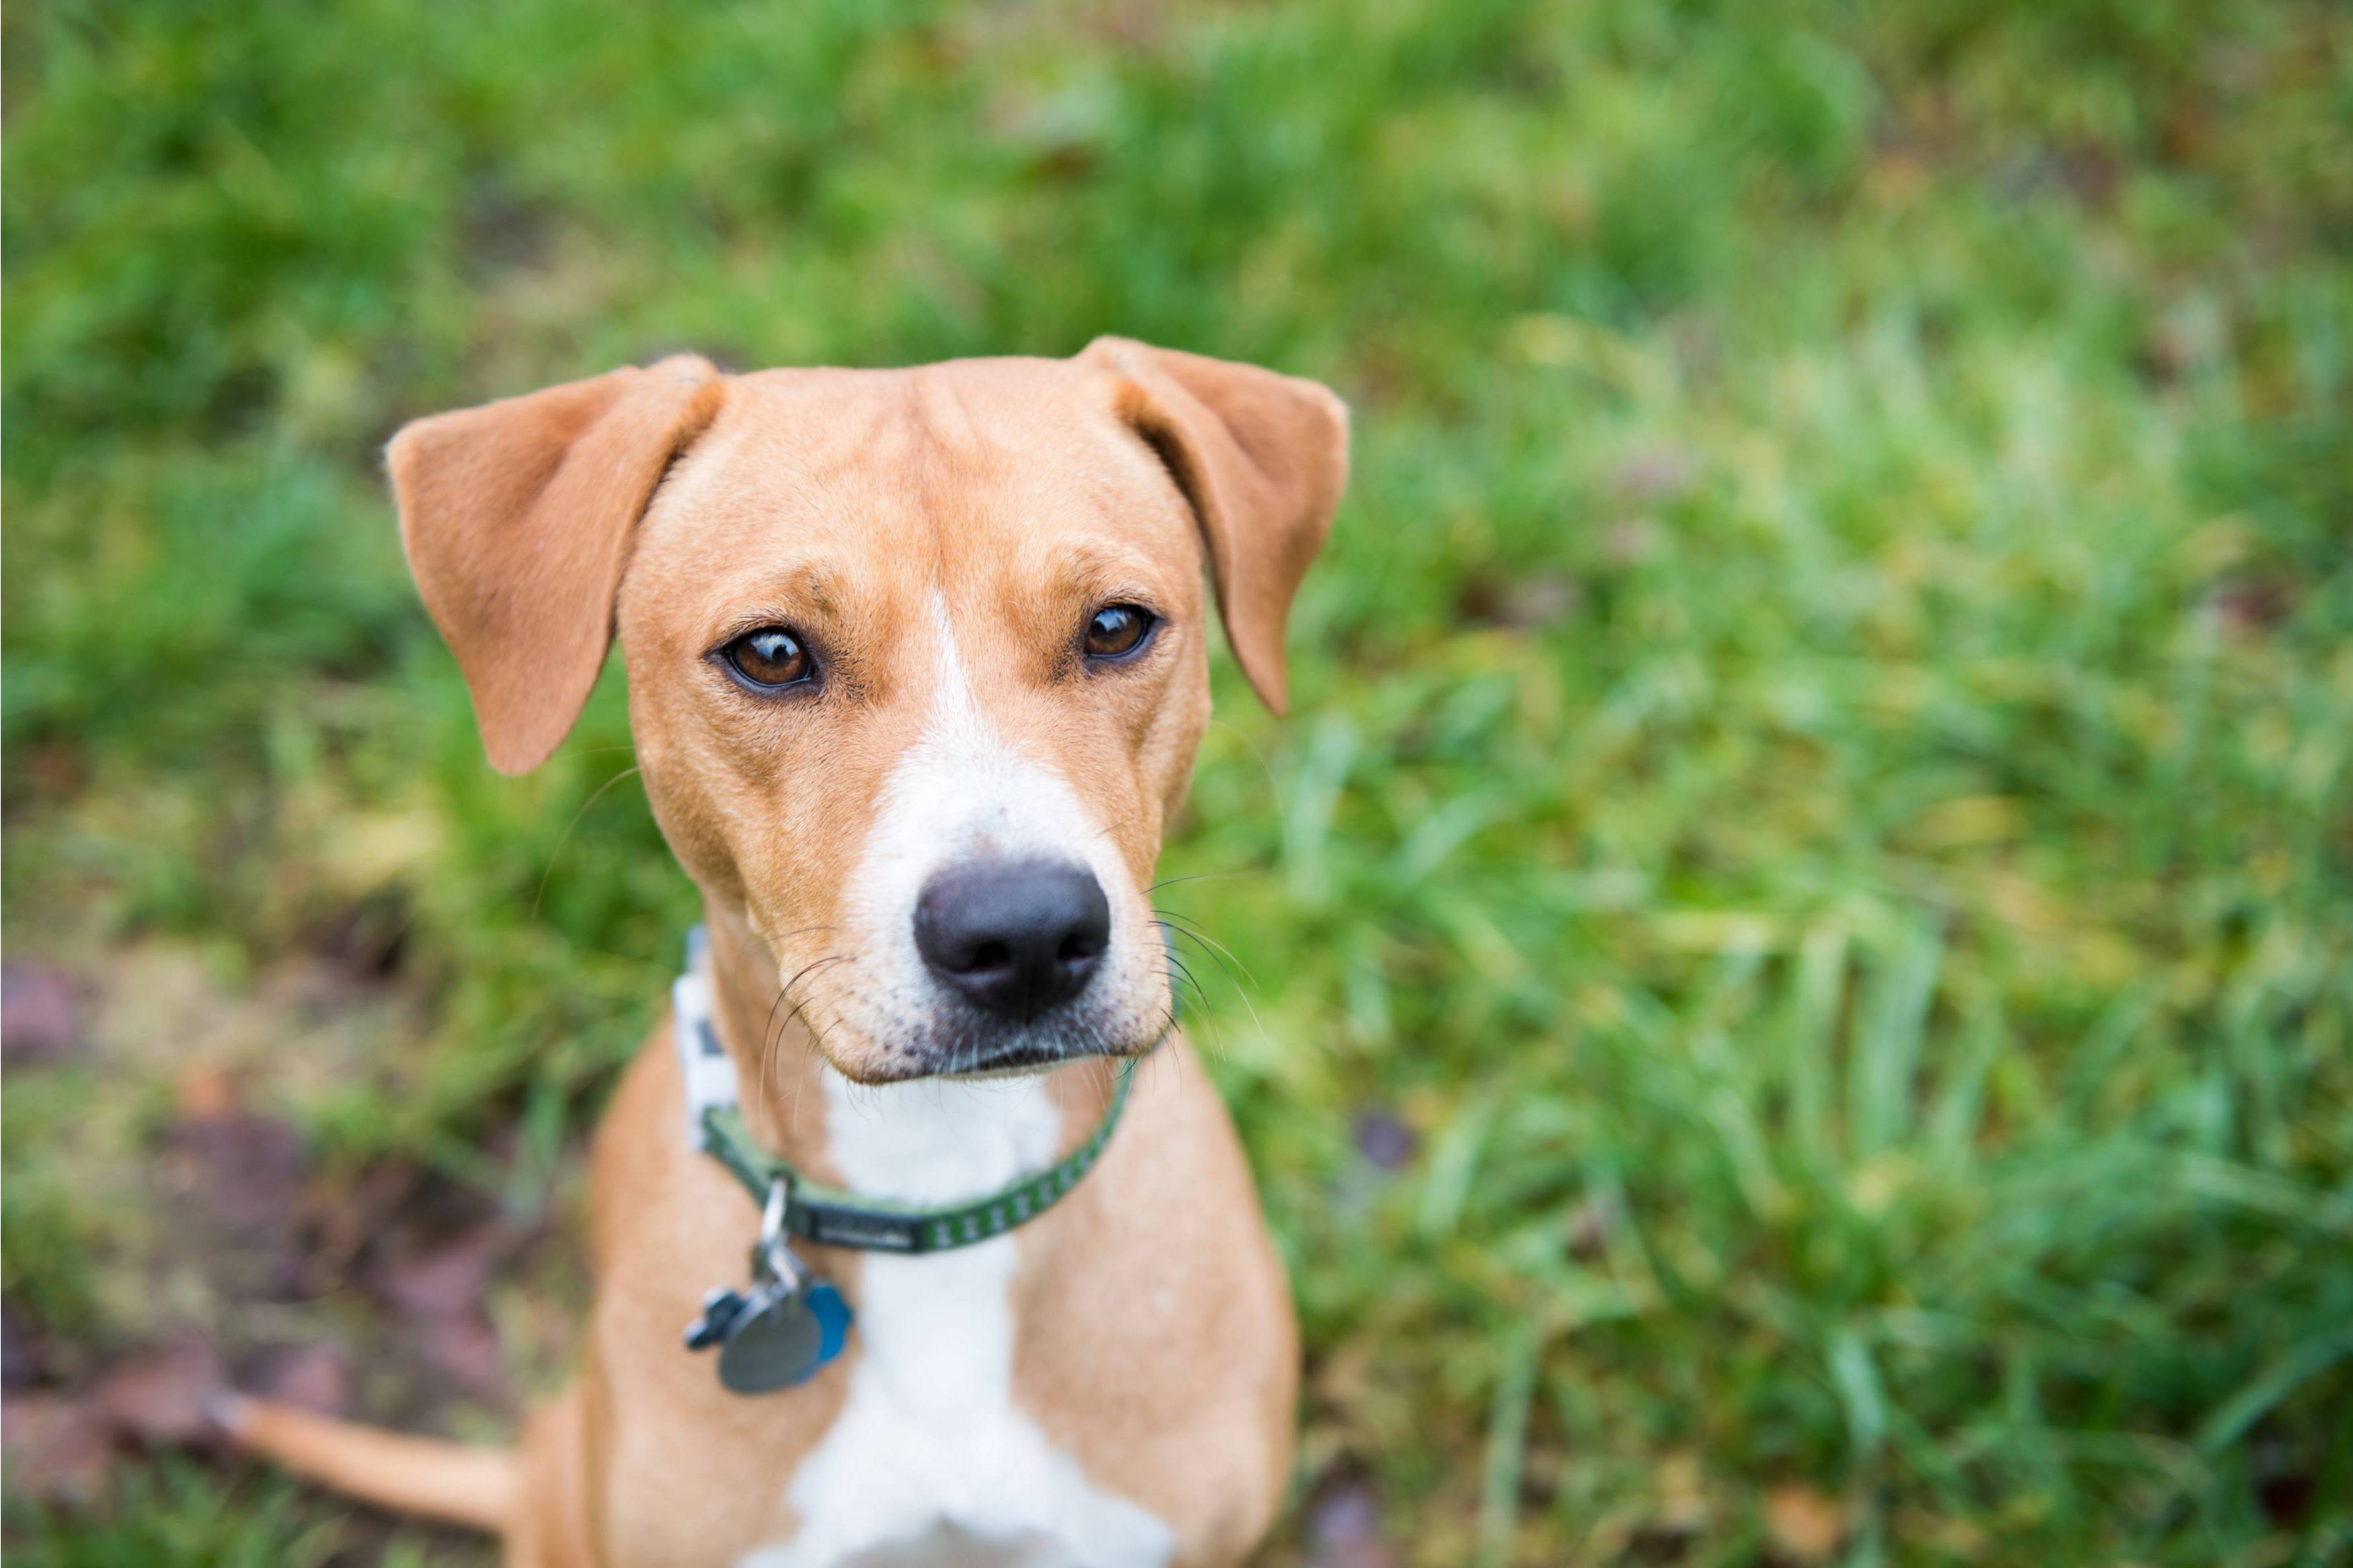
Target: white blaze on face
x,y
931,1458
960,793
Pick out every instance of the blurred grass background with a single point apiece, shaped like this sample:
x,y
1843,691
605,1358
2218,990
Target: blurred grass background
x,y
1794,962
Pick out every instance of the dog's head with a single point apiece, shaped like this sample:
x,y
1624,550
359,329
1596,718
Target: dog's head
x,y
916,659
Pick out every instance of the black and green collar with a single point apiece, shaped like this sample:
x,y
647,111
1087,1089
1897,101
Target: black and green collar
x,y
825,1215
833,1218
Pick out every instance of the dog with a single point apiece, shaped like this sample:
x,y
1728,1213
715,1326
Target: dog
x,y
917,668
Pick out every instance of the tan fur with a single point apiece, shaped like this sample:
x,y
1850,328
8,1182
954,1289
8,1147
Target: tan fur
x,y
1154,1335
447,1482
516,517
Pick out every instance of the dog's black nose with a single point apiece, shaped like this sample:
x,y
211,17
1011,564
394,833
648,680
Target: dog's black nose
x,y
1016,936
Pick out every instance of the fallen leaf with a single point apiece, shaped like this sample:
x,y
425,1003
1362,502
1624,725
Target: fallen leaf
x,y
344,1220
1804,1523
1343,1527
1385,1138
448,1278
434,1267
204,1092
1525,603
314,1377
465,1346
40,1014
158,1396
56,1448
21,1350
243,1172
2249,607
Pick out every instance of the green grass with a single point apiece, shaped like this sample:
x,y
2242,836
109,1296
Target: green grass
x,y
176,1514
1820,782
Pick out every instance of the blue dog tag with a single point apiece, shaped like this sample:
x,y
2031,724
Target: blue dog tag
x,y
780,1332
832,1314
782,1337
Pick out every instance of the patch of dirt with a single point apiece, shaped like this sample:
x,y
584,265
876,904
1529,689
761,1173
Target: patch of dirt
x,y
242,1258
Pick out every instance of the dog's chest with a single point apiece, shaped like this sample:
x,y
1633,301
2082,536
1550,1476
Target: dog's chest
x,y
929,1460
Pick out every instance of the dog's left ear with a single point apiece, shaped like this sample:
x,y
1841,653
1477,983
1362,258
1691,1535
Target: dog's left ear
x,y
1260,457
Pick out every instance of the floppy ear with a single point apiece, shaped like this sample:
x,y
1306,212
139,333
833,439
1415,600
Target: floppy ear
x,y
517,517
1262,458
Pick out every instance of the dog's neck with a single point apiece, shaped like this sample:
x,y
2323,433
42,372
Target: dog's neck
x,y
930,1141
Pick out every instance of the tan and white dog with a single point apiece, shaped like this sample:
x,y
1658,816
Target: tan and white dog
x,y
917,665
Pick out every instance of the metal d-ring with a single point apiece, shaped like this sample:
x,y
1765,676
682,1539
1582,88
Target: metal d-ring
x,y
773,1254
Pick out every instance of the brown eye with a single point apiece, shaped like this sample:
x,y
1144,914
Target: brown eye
x,y
770,656
1117,630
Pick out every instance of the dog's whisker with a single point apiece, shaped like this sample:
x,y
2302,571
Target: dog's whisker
x,y
772,1042
799,1008
1244,992
1177,966
767,1056
768,1024
565,837
1172,1022
1265,768
1238,979
1201,935
1170,960
1202,877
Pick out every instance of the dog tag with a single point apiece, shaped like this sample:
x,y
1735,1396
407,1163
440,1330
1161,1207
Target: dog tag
x,y
781,1338
777,1334
721,1308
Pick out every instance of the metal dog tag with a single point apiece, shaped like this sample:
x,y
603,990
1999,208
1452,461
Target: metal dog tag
x,y
783,1329
783,1341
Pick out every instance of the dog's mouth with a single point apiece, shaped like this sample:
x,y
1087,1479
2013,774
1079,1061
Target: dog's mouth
x,y
1018,1061
1030,1060
973,1061
871,1030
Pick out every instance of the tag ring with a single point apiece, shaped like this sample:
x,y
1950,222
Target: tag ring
x,y
773,1250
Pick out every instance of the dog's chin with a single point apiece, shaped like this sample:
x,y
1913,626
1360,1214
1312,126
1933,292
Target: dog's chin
x,y
1023,1061
966,1055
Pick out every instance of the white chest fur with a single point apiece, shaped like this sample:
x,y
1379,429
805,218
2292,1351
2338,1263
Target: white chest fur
x,y
929,1461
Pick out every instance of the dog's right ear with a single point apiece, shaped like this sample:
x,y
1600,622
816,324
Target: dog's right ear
x,y
517,519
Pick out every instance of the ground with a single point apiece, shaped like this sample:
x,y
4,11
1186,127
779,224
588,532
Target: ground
x,y
1788,978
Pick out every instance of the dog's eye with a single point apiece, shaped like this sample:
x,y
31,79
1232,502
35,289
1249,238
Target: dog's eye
x,y
1117,630
770,656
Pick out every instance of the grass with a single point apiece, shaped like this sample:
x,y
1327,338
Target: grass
x,y
1820,782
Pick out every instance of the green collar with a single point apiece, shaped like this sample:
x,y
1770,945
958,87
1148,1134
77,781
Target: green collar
x,y
833,1218
823,1215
